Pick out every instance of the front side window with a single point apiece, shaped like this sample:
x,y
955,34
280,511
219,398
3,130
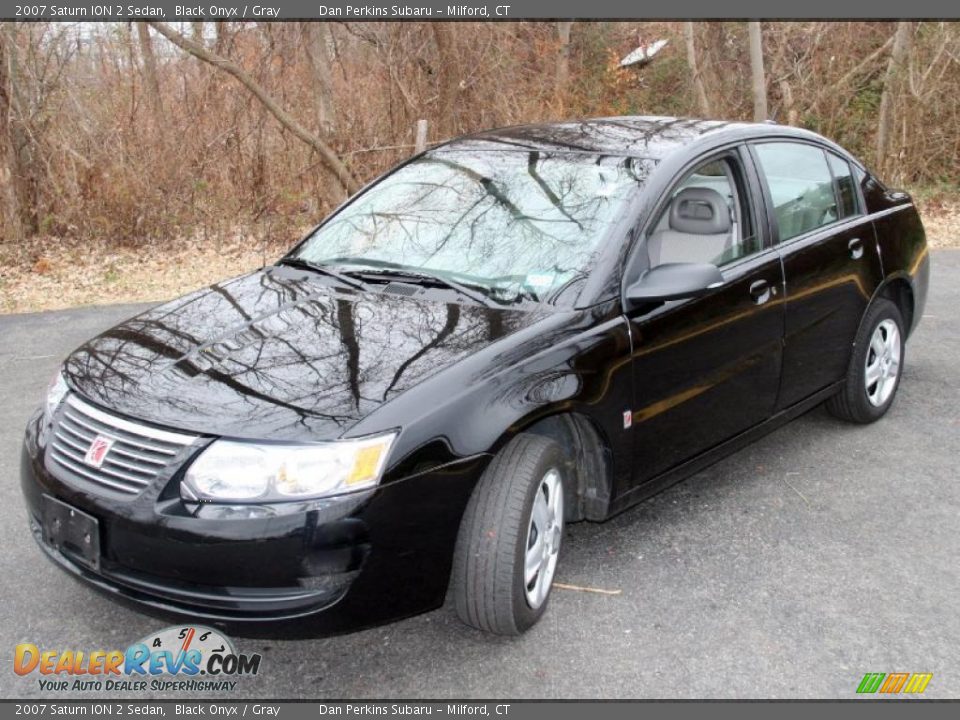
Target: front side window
x,y
529,220
801,186
707,219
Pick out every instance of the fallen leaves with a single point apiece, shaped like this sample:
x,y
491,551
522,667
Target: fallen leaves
x,y
55,274
941,220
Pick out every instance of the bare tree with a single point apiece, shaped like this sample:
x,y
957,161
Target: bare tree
x,y
891,81
703,102
445,38
314,41
327,154
222,35
758,78
150,68
85,154
563,58
11,227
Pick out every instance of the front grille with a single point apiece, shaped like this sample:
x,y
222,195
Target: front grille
x,y
138,456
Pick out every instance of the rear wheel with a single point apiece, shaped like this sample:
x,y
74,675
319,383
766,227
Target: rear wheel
x,y
510,536
875,366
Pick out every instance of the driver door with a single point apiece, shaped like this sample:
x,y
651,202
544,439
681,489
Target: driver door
x,y
707,368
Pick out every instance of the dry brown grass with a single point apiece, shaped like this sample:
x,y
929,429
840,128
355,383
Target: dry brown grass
x,y
941,218
60,276
50,276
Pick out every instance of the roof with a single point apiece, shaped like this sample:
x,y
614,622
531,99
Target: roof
x,y
636,136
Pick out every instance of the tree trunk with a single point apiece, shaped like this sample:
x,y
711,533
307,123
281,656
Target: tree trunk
x,y
196,32
314,40
222,33
789,105
563,59
328,156
703,103
150,69
758,80
420,140
11,227
891,80
443,35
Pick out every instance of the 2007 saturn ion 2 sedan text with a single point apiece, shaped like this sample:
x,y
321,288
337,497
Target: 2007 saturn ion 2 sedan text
x,y
518,329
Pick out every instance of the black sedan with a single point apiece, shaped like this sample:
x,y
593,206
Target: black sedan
x,y
518,329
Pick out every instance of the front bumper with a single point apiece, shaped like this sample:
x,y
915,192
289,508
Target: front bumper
x,y
325,567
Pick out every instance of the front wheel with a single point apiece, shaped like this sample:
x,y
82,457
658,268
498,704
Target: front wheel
x,y
875,367
509,541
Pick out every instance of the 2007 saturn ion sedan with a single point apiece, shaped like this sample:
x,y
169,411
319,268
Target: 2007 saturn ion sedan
x,y
518,329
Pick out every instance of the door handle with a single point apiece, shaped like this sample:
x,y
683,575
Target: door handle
x,y
856,248
760,291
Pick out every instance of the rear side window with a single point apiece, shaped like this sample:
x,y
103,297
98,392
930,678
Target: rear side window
x,y
846,192
801,186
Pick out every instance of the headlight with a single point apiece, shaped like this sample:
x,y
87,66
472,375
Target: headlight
x,y
231,471
56,391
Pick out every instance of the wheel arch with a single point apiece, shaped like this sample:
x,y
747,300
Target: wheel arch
x,y
589,455
897,289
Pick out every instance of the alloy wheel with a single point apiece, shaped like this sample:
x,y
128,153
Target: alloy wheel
x,y
544,535
882,363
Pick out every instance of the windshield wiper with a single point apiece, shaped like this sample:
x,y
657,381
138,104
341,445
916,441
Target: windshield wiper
x,y
423,276
414,275
324,270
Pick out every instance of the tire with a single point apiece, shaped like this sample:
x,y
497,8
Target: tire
x,y
878,349
487,585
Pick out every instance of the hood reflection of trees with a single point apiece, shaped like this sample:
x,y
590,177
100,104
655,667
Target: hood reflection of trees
x,y
282,342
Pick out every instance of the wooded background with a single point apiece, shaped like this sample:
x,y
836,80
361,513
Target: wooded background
x,y
147,134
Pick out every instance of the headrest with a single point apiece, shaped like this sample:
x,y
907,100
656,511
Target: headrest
x,y
699,211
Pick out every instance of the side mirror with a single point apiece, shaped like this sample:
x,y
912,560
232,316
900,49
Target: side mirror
x,y
674,281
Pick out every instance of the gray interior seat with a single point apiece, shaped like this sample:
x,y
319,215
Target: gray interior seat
x,y
699,229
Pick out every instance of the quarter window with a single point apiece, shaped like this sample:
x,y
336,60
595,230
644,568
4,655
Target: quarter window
x,y
801,186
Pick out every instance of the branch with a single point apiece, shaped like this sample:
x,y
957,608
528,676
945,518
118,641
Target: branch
x,y
327,154
852,72
855,70
915,89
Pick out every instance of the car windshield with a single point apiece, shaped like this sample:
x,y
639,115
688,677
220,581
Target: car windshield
x,y
509,222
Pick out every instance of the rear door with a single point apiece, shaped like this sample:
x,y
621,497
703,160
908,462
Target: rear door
x,y
830,259
707,368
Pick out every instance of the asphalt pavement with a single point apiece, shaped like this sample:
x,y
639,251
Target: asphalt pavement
x,y
820,553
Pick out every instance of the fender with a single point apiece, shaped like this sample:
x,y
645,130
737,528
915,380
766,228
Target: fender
x,y
568,363
917,278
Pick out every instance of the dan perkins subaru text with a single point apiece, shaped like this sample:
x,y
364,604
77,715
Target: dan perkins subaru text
x,y
146,664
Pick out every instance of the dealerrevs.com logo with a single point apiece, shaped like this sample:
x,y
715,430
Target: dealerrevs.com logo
x,y
178,658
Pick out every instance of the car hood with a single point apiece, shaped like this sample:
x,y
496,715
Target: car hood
x,y
280,354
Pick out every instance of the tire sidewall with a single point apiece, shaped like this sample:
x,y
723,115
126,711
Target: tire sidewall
x,y
524,615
